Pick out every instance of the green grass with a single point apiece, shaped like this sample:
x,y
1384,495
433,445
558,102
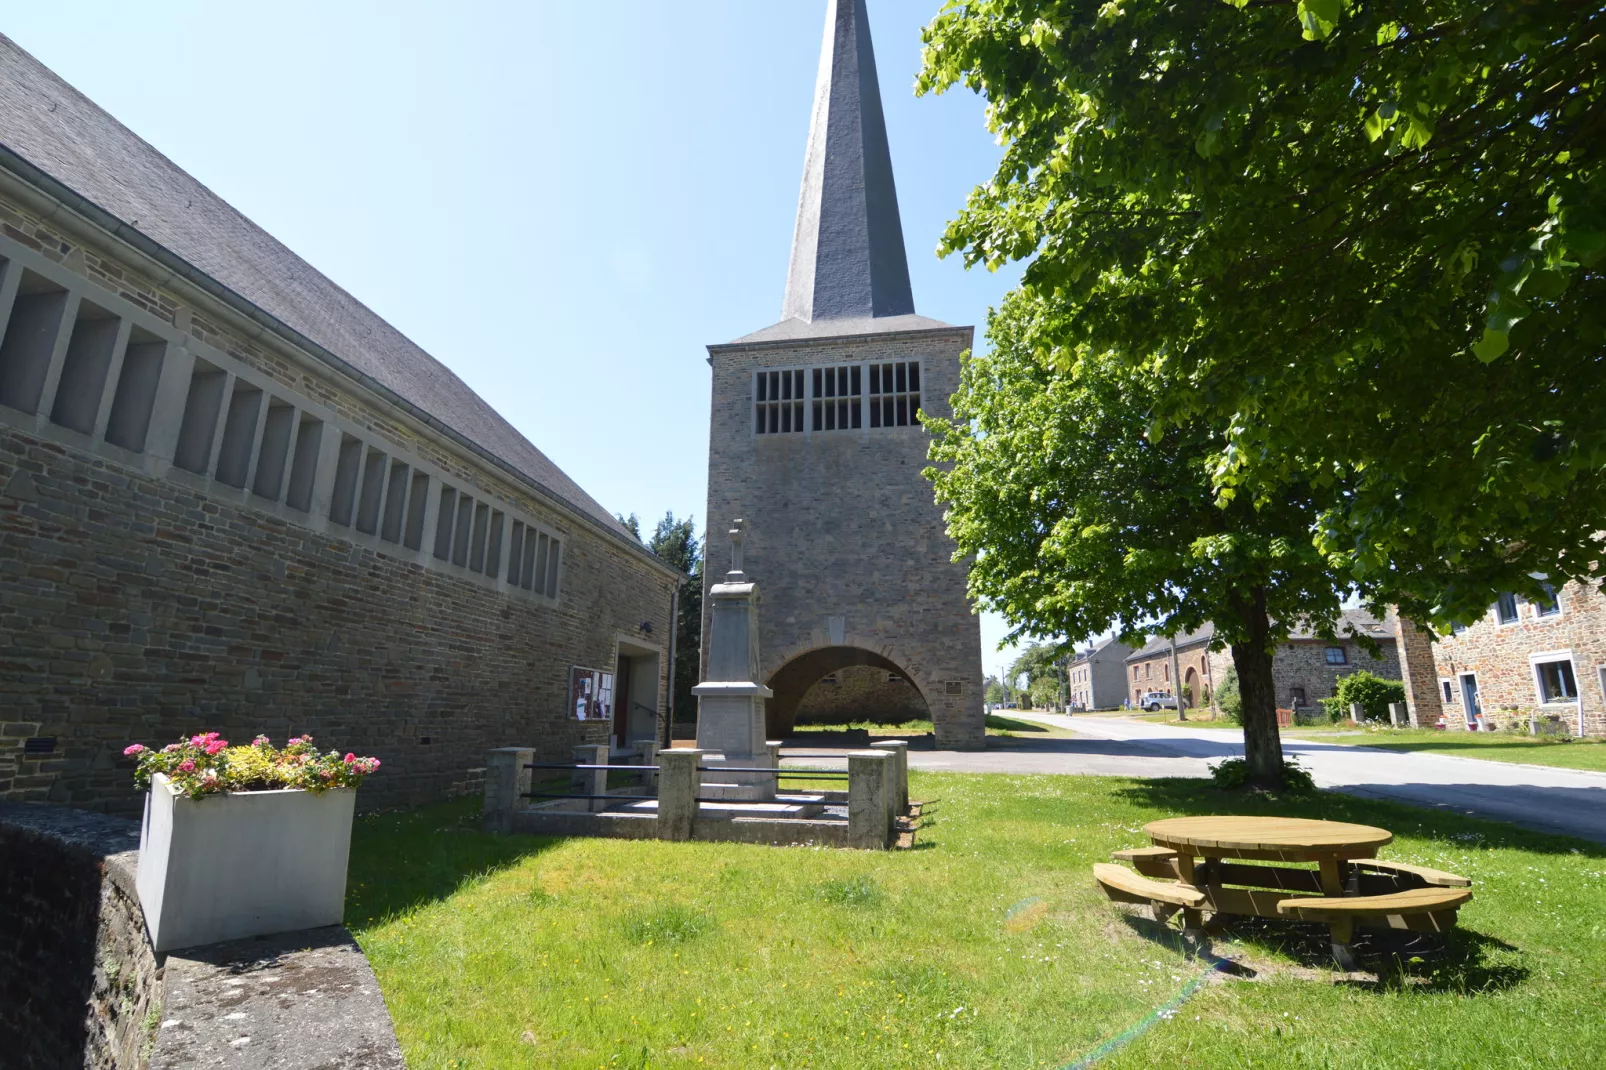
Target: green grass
x,y
996,726
987,946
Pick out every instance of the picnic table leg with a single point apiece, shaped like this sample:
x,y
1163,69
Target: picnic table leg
x,y
1192,918
1342,932
1332,877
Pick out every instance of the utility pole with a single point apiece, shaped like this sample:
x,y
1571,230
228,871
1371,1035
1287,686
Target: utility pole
x,y
1176,682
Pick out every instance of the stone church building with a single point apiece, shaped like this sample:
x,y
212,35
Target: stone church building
x,y
234,498
816,442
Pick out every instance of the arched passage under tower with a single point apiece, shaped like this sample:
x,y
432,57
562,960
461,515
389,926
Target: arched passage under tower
x,y
877,688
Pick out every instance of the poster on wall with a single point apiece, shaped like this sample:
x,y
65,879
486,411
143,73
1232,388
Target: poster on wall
x,y
591,694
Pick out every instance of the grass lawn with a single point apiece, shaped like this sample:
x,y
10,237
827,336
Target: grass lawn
x,y
987,946
997,725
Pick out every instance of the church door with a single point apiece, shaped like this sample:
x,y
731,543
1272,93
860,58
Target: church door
x,y
621,703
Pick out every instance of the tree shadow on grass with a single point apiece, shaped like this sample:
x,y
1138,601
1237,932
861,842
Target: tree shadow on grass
x,y
402,860
1180,796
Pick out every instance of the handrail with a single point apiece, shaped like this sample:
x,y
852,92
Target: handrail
x,y
772,772
581,795
554,765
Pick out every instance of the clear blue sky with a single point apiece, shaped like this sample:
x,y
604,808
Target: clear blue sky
x,y
562,202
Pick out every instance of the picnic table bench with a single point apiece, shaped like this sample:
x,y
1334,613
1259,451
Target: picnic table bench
x,y
1199,863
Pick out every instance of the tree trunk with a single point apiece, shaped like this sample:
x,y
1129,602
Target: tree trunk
x,y
1263,747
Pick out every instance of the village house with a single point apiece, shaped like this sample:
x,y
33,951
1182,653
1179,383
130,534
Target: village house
x,y
234,498
1533,665
1305,668
1096,676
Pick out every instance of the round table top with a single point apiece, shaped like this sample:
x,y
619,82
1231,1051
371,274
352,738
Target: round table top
x,y
1280,836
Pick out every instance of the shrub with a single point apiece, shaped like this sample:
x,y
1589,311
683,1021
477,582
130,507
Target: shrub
x,y
1372,691
1233,773
671,925
205,764
1229,700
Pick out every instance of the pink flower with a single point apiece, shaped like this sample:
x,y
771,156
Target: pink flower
x,y
373,763
350,757
261,741
135,748
186,766
209,775
170,748
216,745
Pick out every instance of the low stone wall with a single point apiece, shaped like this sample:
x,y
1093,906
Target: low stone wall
x,y
79,984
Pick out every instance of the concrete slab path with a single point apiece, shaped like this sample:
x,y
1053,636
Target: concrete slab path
x,y
1568,801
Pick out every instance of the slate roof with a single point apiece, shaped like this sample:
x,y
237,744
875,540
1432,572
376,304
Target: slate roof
x,y
1357,619
849,273
1094,649
59,131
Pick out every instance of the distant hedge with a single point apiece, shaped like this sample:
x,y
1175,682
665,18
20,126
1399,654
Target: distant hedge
x,y
1372,691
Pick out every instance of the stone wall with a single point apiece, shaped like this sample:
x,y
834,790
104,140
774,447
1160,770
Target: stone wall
x,y
1297,664
1152,672
844,535
861,692
140,601
1500,657
79,985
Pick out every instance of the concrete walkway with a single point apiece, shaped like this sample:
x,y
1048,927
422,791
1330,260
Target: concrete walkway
x,y
1566,801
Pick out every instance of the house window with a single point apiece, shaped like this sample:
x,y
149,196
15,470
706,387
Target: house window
x,y
1449,692
1556,681
1505,609
1297,696
778,402
1549,605
1337,656
836,398
895,394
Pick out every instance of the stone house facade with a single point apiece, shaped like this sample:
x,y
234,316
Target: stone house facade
x,y
816,441
1532,664
233,498
1305,668
1096,677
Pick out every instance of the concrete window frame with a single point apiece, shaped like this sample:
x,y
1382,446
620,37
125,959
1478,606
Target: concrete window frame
x,y
1447,690
1554,657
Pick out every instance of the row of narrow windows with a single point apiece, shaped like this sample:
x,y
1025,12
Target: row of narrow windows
x,y
835,398
228,422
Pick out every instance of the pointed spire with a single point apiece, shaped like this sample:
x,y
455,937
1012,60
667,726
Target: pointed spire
x,y
847,252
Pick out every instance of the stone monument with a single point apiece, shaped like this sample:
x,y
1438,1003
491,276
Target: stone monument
x,y
730,700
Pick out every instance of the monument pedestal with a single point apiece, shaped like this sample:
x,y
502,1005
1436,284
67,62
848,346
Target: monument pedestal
x,y
730,700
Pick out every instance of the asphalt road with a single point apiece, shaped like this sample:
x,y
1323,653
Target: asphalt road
x,y
1550,800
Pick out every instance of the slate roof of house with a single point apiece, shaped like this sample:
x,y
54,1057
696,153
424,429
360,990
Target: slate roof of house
x,y
1357,620
849,273
1094,649
59,131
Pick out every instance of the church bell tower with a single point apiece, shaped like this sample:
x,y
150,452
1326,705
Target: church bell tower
x,y
816,442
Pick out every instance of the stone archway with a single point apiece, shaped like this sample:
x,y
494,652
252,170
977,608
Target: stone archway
x,y
794,679
1191,687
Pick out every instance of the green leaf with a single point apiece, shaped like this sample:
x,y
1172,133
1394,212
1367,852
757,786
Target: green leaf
x,y
1490,347
1318,18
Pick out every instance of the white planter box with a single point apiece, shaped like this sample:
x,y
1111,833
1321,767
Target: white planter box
x,y
243,864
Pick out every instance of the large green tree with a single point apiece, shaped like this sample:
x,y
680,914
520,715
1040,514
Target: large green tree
x,y
1081,520
675,542
1345,250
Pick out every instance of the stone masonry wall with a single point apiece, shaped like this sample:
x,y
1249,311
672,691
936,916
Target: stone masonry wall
x,y
861,692
1297,663
844,536
1153,672
1499,656
139,601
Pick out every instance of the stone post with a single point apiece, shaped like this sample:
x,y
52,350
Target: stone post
x,y
647,754
506,782
1397,715
869,812
1423,702
591,781
679,784
900,773
1357,713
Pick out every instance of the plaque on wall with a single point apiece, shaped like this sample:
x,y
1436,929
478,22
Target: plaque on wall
x,y
590,694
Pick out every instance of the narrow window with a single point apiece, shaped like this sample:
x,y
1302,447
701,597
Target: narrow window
x,y
417,503
347,473
534,558
1549,605
239,434
199,424
778,402
493,546
304,469
1556,682
135,398
395,502
1449,692
445,520
463,530
895,393
536,581
552,570
1336,655
482,520
30,340
275,450
84,368
1505,609
515,554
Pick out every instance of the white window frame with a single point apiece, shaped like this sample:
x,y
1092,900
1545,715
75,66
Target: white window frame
x,y
1550,657
1447,691
1516,612
1560,609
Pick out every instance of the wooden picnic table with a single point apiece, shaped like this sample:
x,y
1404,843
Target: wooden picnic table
x,y
1219,840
